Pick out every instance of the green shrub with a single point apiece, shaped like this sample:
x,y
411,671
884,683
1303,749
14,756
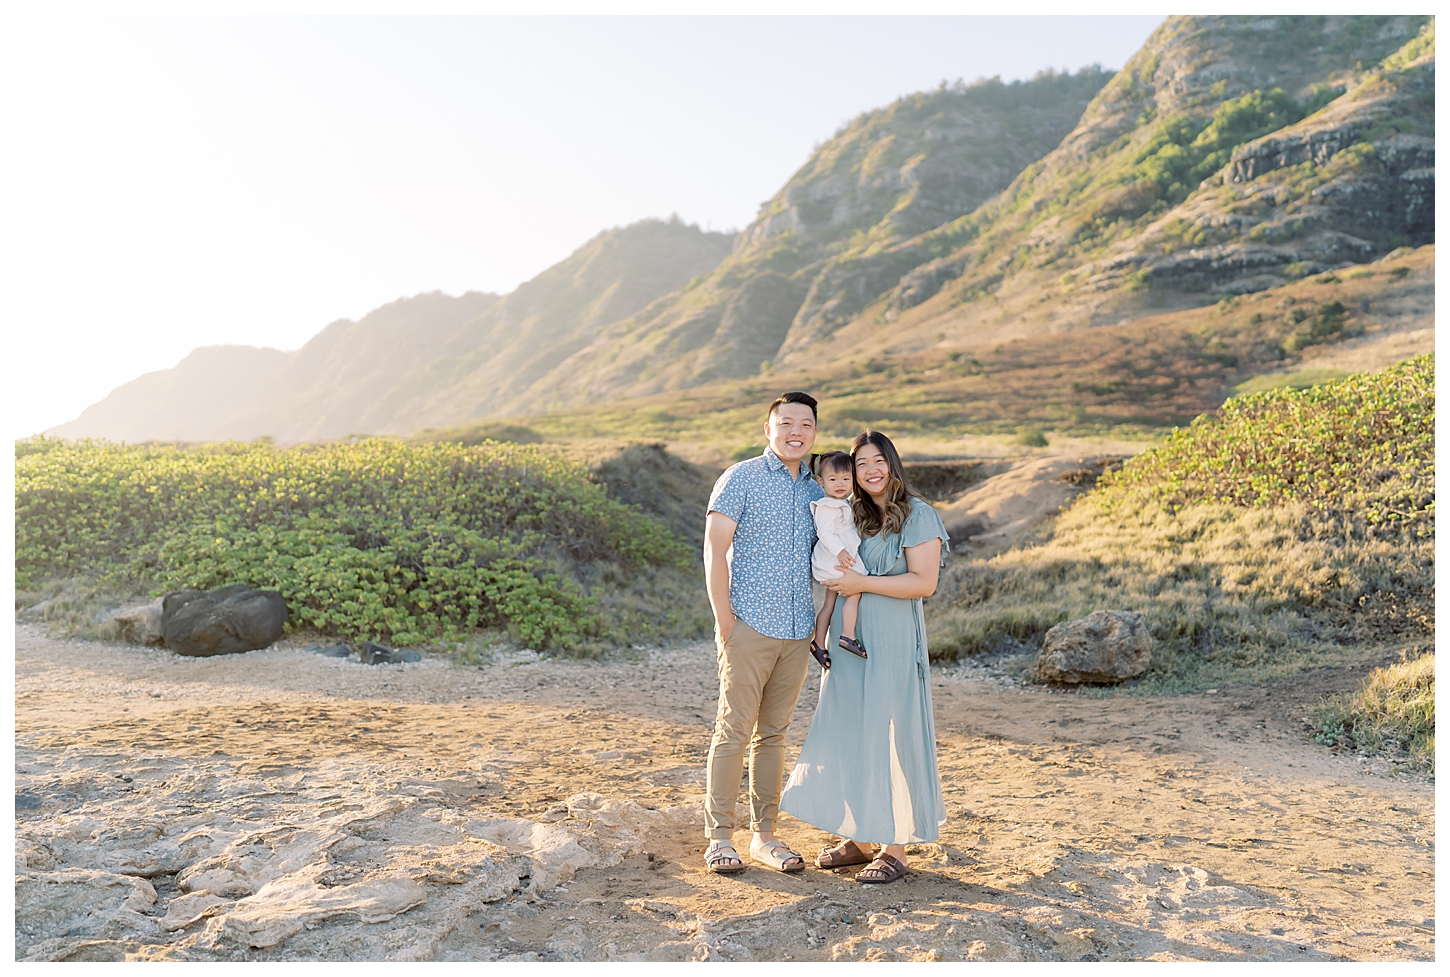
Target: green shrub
x,y
1364,444
1183,151
1292,529
380,539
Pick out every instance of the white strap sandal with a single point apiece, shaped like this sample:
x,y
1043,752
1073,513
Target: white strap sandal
x,y
719,857
778,855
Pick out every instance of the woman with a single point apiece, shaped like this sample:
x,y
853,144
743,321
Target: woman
x,y
867,771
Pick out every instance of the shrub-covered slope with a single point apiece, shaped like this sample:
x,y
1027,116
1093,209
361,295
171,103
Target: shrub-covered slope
x,y
381,540
1293,528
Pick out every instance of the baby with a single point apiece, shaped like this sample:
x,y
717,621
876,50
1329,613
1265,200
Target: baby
x,y
837,542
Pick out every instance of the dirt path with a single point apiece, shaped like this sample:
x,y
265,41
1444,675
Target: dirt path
x,y
282,805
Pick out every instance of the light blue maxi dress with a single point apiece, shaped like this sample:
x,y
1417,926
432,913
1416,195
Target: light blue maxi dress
x,y
868,770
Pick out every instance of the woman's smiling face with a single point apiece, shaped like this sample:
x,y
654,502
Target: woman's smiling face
x,y
873,473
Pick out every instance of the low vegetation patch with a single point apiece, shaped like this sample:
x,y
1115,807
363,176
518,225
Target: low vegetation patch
x,y
1392,713
380,540
1291,529
1363,446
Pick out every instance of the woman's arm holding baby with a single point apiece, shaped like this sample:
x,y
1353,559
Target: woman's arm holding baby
x,y
923,566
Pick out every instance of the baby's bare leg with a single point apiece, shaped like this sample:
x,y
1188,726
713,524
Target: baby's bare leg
x,y
848,615
823,619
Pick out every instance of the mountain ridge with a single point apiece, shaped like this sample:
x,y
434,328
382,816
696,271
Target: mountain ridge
x,y
1231,155
405,364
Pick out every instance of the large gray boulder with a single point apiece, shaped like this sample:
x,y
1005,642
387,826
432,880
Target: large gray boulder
x,y
140,625
222,621
1105,646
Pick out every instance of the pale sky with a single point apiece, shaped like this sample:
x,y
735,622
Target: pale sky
x,y
183,182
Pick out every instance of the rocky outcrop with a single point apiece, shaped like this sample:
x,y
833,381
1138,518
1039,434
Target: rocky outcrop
x,y
72,907
140,625
1105,646
307,876
222,622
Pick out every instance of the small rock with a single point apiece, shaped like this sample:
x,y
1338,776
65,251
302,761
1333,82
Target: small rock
x,y
371,653
140,625
1105,646
331,651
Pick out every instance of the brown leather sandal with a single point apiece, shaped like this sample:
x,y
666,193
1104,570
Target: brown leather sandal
x,y
883,868
853,646
846,853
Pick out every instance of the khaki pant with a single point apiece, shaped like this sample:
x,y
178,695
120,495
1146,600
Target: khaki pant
x,y
760,681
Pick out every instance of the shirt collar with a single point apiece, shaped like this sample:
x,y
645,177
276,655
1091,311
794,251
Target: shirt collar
x,y
775,464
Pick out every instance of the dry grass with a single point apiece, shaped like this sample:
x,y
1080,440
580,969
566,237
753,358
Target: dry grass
x,y
1393,712
76,607
1232,595
1127,382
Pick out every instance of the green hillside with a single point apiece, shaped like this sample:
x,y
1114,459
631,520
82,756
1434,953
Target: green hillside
x,y
924,264
1211,165
1289,530
1231,155
814,254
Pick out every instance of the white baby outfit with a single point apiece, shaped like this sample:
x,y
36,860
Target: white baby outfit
x,y
835,531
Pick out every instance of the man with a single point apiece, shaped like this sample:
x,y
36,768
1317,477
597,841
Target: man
x,y
758,539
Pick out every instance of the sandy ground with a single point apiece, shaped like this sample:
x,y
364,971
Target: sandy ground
x,y
282,805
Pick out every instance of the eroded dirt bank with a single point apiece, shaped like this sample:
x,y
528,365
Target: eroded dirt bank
x,y
282,805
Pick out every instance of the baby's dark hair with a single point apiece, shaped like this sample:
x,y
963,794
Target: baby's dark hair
x,y
831,461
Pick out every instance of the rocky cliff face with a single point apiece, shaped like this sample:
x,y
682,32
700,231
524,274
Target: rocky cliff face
x,y
1228,155
1352,181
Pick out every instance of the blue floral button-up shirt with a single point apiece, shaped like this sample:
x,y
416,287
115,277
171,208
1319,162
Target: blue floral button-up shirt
x,y
770,562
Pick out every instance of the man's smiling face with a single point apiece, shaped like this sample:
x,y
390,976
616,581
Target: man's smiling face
x,y
791,432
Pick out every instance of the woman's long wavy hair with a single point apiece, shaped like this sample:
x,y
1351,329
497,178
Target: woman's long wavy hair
x,y
869,520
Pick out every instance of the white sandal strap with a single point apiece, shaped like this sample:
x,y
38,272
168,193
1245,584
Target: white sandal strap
x,y
770,853
715,852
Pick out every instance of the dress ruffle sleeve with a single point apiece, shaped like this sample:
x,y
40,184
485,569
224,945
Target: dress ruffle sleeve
x,y
923,524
